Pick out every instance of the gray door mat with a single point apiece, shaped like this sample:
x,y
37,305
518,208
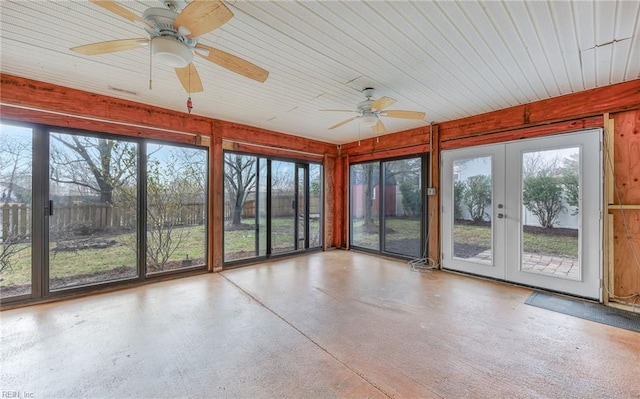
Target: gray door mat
x,y
586,310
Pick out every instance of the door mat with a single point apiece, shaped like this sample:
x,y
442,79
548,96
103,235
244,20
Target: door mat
x,y
586,310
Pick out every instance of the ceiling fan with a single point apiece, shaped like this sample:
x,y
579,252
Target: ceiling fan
x,y
369,112
173,38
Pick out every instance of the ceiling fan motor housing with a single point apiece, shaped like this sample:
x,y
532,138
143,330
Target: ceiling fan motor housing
x,y
168,46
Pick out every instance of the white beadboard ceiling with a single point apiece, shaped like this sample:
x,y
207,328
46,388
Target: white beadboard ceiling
x,y
450,59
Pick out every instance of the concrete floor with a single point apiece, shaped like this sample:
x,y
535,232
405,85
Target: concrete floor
x,y
327,325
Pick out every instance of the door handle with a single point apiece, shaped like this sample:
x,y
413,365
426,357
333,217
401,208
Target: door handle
x,y
501,216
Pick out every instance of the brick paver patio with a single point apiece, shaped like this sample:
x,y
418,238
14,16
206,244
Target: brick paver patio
x,y
566,267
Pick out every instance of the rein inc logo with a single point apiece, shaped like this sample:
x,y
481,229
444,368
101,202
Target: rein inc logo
x,y
17,394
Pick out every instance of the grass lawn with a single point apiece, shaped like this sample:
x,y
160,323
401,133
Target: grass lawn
x,y
545,244
238,242
241,244
69,263
396,229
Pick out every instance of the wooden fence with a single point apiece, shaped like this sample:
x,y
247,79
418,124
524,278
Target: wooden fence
x,y
281,205
16,221
16,218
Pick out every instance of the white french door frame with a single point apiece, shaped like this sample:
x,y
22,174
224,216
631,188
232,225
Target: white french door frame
x,y
495,267
507,213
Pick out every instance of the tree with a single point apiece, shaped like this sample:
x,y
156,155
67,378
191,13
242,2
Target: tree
x,y
168,190
239,179
98,164
175,180
542,195
477,196
363,175
571,181
9,247
458,194
15,166
411,198
15,177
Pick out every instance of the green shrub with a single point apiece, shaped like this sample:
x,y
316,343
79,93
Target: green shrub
x,y
477,196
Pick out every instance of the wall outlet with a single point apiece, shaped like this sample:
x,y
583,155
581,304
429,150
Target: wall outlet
x,y
431,191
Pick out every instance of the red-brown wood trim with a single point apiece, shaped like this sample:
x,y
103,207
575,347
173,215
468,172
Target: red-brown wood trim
x,y
269,151
253,135
216,226
400,152
407,138
47,118
341,202
49,97
525,133
613,98
433,222
32,101
329,206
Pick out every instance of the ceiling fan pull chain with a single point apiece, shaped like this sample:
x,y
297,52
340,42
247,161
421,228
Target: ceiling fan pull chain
x,y
189,102
150,62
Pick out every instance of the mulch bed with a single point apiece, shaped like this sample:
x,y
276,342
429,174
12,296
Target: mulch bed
x,y
555,231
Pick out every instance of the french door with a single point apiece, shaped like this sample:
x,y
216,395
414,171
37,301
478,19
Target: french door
x,y
526,212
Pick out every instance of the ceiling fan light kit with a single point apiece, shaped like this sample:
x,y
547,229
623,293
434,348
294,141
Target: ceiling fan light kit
x,y
171,52
368,119
369,112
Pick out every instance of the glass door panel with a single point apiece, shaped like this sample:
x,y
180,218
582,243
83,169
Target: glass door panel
x,y
240,205
551,212
92,215
315,205
403,207
176,197
472,203
365,197
554,209
15,210
262,194
301,207
473,210
283,207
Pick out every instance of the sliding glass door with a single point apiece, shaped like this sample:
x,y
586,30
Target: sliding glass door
x,y
315,205
403,207
93,191
175,194
16,205
93,209
283,206
387,206
272,206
